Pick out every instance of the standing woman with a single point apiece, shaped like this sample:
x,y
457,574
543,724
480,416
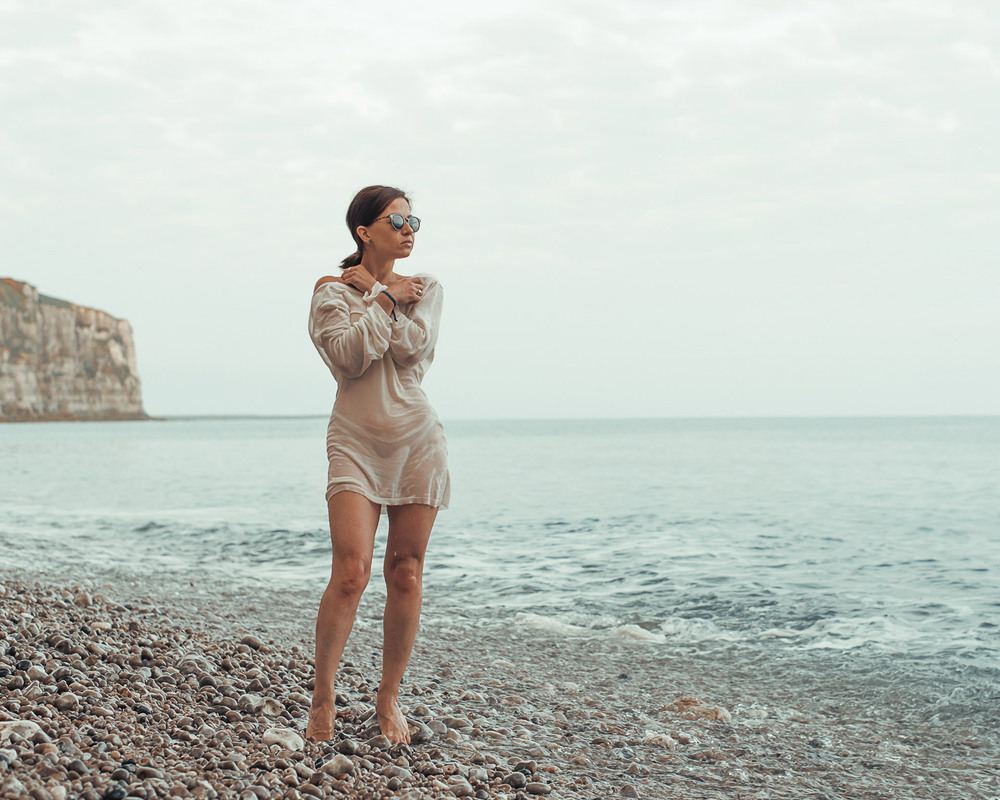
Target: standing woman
x,y
376,331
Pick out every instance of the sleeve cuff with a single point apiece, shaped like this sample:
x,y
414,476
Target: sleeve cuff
x,y
376,290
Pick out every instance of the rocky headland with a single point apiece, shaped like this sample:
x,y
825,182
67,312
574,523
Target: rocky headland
x,y
60,361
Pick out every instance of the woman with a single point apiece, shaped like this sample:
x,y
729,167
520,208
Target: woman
x,y
376,331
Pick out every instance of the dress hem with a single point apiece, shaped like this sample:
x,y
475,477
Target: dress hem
x,y
384,502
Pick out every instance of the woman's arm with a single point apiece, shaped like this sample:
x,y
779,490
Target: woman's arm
x,y
349,346
414,335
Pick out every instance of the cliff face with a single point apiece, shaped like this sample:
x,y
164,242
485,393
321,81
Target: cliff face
x,y
61,361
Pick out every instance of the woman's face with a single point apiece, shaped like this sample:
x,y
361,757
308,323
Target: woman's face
x,y
386,241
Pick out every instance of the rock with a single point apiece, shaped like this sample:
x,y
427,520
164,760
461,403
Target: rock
x,y
516,780
479,775
338,765
379,742
77,765
66,701
12,787
116,791
395,771
348,747
662,739
39,793
629,791
438,727
460,723
460,787
536,787
285,737
24,728
252,641
693,708
36,673
272,708
84,600
419,733
251,703
145,772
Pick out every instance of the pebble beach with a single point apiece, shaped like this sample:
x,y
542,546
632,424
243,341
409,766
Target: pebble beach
x,y
109,693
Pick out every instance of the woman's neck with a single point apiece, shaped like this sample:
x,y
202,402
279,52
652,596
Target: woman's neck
x,y
380,270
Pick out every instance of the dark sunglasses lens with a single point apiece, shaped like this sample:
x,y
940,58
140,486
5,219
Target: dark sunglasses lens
x,y
396,220
414,223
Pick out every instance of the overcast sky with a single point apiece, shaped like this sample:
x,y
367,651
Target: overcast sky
x,y
676,208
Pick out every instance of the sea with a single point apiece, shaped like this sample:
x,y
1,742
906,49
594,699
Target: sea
x,y
863,549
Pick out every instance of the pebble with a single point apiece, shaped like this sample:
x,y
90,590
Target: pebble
x,y
338,765
285,737
516,780
26,729
419,733
693,708
66,701
661,739
396,771
147,705
460,787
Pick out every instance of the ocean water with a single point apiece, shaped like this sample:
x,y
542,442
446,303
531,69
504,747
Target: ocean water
x,y
855,546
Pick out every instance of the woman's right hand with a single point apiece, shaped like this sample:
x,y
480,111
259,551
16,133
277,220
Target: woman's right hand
x,y
407,290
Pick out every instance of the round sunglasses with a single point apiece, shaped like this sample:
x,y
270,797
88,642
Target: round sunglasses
x,y
397,221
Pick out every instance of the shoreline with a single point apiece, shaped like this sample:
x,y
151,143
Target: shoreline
x,y
192,689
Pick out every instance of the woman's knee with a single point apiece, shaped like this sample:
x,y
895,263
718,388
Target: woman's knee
x,y
404,574
350,575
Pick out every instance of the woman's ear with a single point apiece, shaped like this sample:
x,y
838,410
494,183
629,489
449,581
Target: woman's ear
x,y
362,232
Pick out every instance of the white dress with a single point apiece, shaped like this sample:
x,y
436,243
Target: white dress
x,y
384,439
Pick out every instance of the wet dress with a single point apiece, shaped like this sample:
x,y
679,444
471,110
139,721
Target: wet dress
x,y
384,439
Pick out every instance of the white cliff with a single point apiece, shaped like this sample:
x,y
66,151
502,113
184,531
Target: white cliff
x,y
62,361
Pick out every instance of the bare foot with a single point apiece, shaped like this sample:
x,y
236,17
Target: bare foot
x,y
322,721
391,721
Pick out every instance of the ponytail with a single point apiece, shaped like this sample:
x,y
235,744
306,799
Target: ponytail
x,y
352,260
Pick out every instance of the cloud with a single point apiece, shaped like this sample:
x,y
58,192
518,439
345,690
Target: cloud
x,y
601,184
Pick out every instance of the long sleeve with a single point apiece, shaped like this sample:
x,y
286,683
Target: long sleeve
x,y
348,346
415,333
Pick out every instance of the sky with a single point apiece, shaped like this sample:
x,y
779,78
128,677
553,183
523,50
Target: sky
x,y
636,209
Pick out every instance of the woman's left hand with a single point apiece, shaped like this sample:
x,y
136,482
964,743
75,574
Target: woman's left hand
x,y
359,278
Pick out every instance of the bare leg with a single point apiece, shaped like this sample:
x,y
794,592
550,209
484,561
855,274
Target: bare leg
x,y
409,531
353,521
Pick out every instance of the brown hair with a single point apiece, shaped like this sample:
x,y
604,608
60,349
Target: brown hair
x,y
366,207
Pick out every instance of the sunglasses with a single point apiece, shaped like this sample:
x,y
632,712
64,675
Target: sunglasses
x,y
397,221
